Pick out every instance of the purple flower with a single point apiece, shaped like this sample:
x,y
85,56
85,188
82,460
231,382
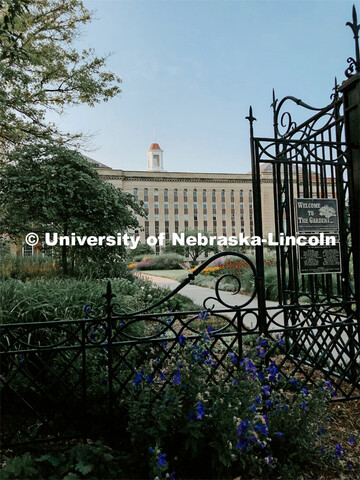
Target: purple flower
x,y
233,358
261,376
263,429
322,450
268,403
182,339
339,450
138,379
162,376
258,399
161,460
268,460
200,410
253,408
328,384
266,390
305,390
351,441
303,405
177,377
243,427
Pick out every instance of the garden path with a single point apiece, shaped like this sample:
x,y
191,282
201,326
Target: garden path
x,y
200,294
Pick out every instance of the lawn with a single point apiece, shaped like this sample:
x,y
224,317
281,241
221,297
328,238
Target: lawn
x,y
178,275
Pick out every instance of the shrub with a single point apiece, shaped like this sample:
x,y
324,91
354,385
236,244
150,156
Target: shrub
x,y
252,423
165,261
26,268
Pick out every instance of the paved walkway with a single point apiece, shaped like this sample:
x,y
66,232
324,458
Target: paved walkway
x,y
200,294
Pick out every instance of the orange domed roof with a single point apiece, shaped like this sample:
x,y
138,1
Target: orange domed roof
x,y
155,146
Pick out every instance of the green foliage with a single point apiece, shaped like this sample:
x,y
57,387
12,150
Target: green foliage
x,y
59,299
192,251
252,423
58,191
164,261
88,461
139,252
26,268
40,69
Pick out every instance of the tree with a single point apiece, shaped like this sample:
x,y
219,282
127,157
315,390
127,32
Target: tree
x,y
54,189
40,69
194,251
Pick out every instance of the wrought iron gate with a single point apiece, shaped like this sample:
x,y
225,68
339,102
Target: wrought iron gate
x,y
319,158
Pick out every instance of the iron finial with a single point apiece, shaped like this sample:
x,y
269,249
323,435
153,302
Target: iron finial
x,y
354,63
251,118
335,95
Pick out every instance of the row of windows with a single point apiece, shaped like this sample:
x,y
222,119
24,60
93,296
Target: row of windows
x,y
195,205
204,192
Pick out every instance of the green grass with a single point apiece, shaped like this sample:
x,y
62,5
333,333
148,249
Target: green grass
x,y
178,275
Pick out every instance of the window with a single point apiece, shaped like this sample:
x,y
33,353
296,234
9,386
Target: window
x,y
241,205
194,192
156,204
250,193
186,216
232,205
135,191
204,205
156,192
166,192
241,193
214,218
175,192
166,205
166,217
176,205
185,192
195,217
146,192
224,216
232,193
214,193
185,205
223,205
214,205
223,193
205,217
146,205
195,204
204,193
176,217
156,217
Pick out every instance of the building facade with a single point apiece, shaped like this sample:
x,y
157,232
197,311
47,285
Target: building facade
x,y
218,203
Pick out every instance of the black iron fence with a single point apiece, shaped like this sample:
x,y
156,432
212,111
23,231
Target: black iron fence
x,y
59,378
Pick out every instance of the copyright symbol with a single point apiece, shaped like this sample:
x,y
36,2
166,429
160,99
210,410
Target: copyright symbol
x,y
32,239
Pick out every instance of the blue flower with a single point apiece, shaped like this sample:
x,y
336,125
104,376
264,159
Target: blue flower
x,y
162,376
151,449
266,390
261,376
200,410
268,460
172,476
263,429
233,358
303,405
161,460
182,339
279,434
328,384
321,431
322,450
339,450
138,379
149,379
305,390
258,399
351,441
253,408
177,377
268,403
